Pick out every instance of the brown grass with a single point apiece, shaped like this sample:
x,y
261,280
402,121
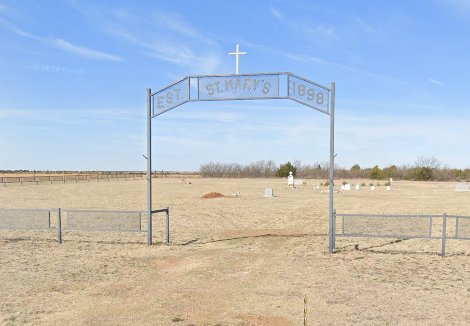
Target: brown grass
x,y
247,260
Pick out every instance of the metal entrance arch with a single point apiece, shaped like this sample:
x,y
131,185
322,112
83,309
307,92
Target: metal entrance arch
x,y
281,85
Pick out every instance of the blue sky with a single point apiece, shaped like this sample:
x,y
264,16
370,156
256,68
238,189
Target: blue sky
x,y
73,79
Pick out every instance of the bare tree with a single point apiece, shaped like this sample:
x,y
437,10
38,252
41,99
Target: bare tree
x,y
427,162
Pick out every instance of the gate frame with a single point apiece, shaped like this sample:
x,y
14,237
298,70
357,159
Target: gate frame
x,y
331,113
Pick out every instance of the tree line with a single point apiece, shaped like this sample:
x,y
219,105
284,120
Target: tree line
x,y
423,169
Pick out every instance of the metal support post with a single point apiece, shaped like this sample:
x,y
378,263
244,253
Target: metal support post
x,y
149,168
167,225
332,167
59,226
444,227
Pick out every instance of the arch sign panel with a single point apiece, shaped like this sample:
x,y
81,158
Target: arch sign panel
x,y
242,87
283,85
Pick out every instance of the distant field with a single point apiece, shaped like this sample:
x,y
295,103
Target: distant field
x,y
238,260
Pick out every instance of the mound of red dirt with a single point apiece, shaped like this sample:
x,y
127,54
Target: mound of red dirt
x,y
212,195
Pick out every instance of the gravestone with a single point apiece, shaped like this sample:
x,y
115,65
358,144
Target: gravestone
x,y
299,182
290,180
461,187
268,192
347,186
372,188
357,187
388,188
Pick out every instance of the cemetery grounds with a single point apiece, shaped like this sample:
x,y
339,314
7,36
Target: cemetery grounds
x,y
236,260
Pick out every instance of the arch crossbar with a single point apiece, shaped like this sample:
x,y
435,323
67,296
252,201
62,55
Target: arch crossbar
x,y
256,86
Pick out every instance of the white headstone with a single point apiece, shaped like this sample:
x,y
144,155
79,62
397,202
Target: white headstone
x,y
372,188
342,187
347,186
461,187
388,188
357,187
268,192
290,179
299,182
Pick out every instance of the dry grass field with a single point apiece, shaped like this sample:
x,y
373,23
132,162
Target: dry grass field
x,y
237,260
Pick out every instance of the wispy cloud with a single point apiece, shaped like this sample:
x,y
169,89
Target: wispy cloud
x,y
324,31
435,81
83,51
176,23
177,53
63,44
308,58
461,4
300,57
157,33
305,58
276,12
180,53
317,32
364,26
15,29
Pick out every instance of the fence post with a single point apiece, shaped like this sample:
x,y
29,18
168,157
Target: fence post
x,y
305,310
430,226
342,225
59,226
167,225
444,227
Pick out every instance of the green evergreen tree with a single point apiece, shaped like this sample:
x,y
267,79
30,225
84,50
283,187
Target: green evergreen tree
x,y
284,170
